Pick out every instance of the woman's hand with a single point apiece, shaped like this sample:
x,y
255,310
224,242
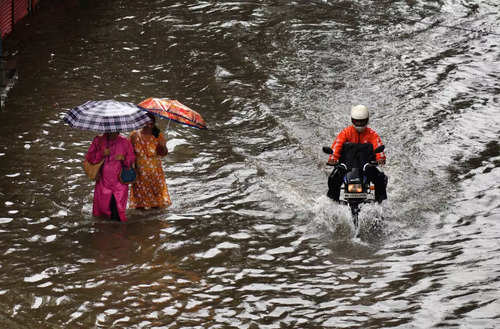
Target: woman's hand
x,y
105,152
161,150
119,157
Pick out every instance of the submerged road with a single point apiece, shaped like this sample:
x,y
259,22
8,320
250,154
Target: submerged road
x,y
251,240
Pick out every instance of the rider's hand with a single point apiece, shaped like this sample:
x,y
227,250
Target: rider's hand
x,y
105,152
119,157
381,162
332,162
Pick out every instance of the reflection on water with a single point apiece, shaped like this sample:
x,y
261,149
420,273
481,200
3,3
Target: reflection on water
x,y
251,241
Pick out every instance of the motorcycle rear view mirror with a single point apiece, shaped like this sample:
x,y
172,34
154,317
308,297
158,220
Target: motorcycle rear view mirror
x,y
328,150
379,149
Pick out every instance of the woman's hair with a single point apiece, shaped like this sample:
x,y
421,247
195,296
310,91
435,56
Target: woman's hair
x,y
156,130
152,117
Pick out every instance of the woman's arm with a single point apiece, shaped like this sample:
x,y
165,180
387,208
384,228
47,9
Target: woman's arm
x,y
161,147
129,154
94,154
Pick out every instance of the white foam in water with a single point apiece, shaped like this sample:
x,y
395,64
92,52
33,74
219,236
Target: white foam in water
x,y
172,143
87,209
209,253
61,213
221,72
333,218
5,220
337,221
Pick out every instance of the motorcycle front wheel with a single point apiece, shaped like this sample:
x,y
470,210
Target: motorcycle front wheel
x,y
354,213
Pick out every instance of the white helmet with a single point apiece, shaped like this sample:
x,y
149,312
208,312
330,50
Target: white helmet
x,y
359,117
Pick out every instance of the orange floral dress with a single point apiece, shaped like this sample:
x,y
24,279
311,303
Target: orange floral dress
x,y
150,189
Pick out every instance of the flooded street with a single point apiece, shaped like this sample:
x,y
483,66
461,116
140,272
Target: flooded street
x,y
251,240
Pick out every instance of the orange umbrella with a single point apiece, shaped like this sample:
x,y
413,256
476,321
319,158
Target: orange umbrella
x,y
173,110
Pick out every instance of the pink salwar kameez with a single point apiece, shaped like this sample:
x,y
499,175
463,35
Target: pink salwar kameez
x,y
109,183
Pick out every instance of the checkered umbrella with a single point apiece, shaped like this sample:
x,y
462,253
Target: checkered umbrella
x,y
106,116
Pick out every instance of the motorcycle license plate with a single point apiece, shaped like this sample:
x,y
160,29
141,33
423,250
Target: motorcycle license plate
x,y
354,195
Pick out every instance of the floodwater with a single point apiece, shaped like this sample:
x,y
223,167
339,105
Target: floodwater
x,y
251,241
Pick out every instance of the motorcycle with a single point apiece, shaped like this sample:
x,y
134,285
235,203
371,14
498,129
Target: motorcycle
x,y
355,160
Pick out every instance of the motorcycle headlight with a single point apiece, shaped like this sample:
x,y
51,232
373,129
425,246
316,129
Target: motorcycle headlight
x,y
354,188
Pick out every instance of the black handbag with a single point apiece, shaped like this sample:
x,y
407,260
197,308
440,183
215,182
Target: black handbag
x,y
128,175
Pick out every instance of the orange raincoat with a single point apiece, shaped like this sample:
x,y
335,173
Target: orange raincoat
x,y
350,134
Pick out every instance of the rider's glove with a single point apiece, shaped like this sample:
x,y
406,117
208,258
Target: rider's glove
x,y
332,163
381,161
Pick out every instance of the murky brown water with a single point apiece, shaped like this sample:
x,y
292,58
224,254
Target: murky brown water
x,y
251,241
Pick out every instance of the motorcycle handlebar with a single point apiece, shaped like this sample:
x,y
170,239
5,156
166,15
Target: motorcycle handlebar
x,y
328,150
338,164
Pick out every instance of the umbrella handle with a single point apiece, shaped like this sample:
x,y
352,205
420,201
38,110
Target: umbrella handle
x,y
168,125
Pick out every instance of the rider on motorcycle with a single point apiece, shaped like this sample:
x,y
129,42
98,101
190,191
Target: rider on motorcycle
x,y
358,132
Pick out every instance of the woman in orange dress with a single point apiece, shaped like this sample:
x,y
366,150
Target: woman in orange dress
x,y
150,189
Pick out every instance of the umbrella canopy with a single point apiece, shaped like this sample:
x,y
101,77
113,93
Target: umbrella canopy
x,y
106,116
173,110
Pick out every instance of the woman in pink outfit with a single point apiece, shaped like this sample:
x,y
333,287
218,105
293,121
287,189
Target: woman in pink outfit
x,y
110,195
